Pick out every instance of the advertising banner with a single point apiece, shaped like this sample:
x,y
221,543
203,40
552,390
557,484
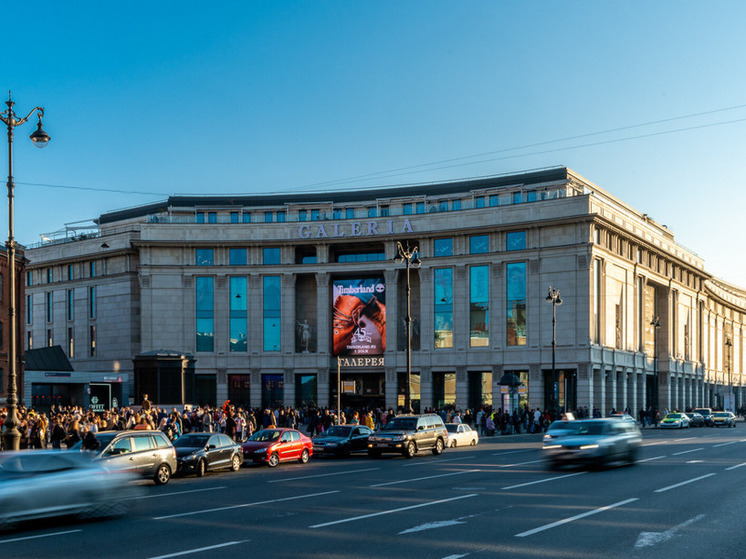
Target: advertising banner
x,y
359,316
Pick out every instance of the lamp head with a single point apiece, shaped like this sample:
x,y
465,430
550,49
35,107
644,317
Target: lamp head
x,y
39,137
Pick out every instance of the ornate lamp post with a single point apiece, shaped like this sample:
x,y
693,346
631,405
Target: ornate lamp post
x,y
656,324
554,298
410,256
11,436
728,348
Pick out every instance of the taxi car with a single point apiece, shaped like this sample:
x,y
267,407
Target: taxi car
x,y
675,421
595,442
723,419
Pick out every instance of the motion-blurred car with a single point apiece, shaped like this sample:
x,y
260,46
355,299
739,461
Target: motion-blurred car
x,y
341,440
147,453
695,419
203,452
723,419
622,416
39,484
273,446
461,435
595,442
675,421
559,429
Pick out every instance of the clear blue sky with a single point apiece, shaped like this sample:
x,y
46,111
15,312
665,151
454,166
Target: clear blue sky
x,y
148,99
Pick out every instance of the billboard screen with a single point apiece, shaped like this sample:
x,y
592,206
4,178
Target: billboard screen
x,y
359,316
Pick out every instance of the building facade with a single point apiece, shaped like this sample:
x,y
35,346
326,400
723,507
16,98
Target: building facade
x,y
296,299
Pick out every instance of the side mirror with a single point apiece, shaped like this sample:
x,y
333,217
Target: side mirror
x,y
420,427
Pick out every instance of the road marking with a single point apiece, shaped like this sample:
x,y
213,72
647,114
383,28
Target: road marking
x,y
541,481
324,475
174,493
519,463
724,444
646,539
684,439
513,452
244,505
433,525
39,536
438,461
736,466
423,478
199,550
687,451
683,483
651,459
573,518
456,556
428,504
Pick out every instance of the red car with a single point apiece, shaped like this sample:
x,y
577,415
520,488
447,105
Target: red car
x,y
277,445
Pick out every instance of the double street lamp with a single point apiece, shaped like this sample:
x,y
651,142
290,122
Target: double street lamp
x,y
656,324
554,298
11,435
410,256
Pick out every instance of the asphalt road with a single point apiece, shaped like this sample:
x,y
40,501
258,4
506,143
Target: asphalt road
x,y
684,498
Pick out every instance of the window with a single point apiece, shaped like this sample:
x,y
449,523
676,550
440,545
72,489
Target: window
x,y
457,204
29,340
516,303
517,197
50,300
494,201
92,302
337,213
350,213
29,309
479,289
267,217
246,217
234,217
92,269
29,277
315,215
515,240
205,313
302,215
237,257
70,343
479,244
531,195
443,206
199,217
384,211
271,307
271,256
480,202
420,207
443,247
371,211
407,209
49,275
281,217
70,304
443,327
50,337
204,256
70,272
238,315
212,217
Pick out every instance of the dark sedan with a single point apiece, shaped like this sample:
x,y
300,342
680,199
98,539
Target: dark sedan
x,y
201,452
341,440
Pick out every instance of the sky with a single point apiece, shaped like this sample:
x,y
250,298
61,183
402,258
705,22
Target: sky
x,y
646,99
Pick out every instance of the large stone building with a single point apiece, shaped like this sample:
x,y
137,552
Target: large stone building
x,y
258,294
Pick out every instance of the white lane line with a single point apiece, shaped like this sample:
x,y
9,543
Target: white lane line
x,y
646,539
423,478
158,496
39,536
724,444
439,461
651,459
428,504
687,451
513,452
324,475
199,550
573,518
736,466
456,556
683,483
684,439
555,478
244,505
519,463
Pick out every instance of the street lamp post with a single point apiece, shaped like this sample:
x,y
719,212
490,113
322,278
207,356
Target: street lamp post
x,y
554,298
410,256
11,436
656,324
728,347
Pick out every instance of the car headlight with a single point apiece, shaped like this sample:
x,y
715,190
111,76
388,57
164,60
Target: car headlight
x,y
331,444
261,450
549,446
588,446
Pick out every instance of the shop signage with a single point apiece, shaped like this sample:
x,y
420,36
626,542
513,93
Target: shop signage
x,y
360,361
113,379
57,374
354,229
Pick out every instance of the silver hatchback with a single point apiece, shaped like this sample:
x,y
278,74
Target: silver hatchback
x,y
594,442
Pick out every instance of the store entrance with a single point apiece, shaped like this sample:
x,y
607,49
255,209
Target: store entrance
x,y
361,390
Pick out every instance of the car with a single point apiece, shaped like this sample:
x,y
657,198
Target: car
x,y
706,413
559,429
272,446
203,452
695,419
409,434
45,483
595,442
622,416
147,453
723,419
675,420
341,440
460,434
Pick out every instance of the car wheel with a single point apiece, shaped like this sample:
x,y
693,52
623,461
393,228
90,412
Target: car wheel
x,y
438,447
201,468
453,443
304,456
274,460
410,450
473,442
235,463
162,475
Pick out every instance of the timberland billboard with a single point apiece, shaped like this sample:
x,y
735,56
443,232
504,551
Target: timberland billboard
x,y
359,316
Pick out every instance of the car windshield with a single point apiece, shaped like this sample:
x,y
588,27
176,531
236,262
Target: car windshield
x,y
451,427
570,426
589,428
401,424
194,441
721,414
265,435
338,431
673,416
